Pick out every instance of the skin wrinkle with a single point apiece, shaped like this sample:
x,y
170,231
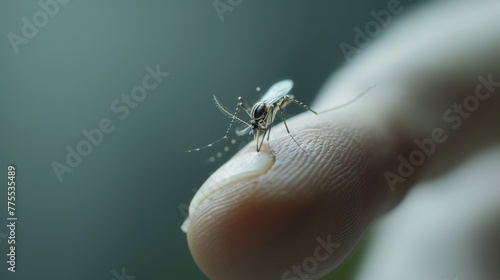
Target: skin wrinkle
x,y
332,135
336,169
312,172
347,153
351,224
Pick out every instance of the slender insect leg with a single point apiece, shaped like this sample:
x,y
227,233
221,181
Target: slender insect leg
x,y
304,106
263,137
351,101
238,106
233,119
244,105
257,134
269,134
288,130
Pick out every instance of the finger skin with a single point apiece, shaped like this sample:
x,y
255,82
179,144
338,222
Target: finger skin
x,y
270,226
265,227
445,229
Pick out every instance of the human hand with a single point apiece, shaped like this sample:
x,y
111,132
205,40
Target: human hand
x,y
287,215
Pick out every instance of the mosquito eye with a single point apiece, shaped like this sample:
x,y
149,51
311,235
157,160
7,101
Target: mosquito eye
x,y
259,111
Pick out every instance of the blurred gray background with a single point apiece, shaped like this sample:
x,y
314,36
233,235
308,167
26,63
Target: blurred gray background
x,y
122,205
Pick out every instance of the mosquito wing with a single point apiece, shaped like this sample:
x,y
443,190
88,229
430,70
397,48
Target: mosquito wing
x,y
243,130
277,91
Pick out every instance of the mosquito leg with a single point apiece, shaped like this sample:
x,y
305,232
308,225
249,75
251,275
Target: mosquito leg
x,y
351,101
288,130
269,134
304,106
244,105
269,143
257,135
262,142
234,117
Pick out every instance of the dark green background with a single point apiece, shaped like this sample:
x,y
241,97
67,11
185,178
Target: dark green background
x,y
120,206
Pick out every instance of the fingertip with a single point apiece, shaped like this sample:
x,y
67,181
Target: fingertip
x,y
247,165
268,225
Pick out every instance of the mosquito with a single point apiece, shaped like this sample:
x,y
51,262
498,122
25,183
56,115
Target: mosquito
x,y
263,113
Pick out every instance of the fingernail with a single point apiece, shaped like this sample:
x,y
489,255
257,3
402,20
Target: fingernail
x,y
244,167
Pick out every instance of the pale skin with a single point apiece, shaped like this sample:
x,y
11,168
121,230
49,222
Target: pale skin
x,y
261,214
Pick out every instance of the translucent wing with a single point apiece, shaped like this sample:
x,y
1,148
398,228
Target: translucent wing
x,y
277,91
243,130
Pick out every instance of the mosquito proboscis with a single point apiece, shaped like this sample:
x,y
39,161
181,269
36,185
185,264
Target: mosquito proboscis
x,y
264,111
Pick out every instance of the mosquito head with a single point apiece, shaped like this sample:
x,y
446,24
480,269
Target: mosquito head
x,y
258,111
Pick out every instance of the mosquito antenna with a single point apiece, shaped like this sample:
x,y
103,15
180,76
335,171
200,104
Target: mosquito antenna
x,y
233,118
228,114
351,101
